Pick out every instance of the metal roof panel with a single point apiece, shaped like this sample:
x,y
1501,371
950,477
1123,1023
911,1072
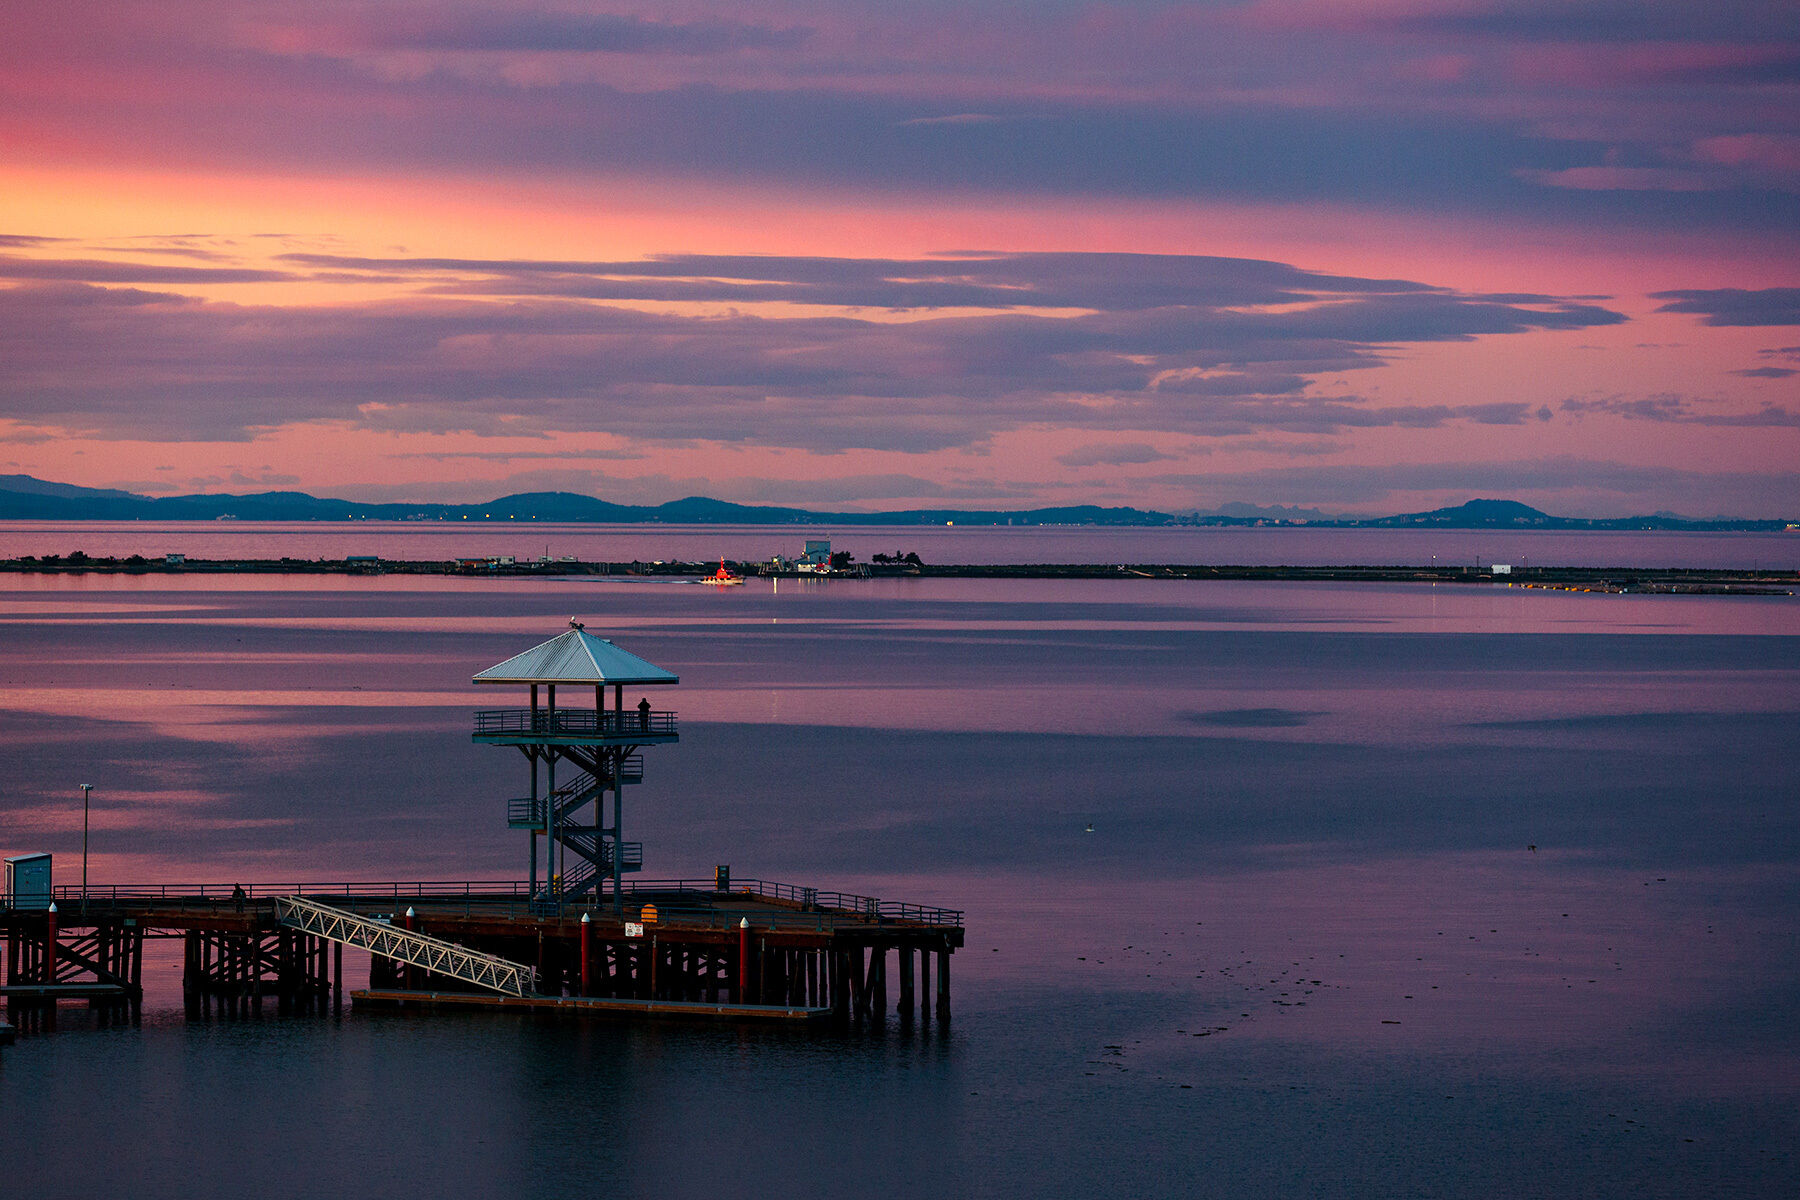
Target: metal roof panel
x,y
576,657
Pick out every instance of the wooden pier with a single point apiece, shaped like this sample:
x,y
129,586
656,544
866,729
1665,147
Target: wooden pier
x,y
750,951
574,937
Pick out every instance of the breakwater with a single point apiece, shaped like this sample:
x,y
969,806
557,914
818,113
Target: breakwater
x,y
1669,580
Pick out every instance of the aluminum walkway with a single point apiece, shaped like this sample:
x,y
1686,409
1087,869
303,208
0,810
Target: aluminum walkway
x,y
402,945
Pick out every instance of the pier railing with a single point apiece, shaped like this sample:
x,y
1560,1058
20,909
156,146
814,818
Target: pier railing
x,y
868,906
471,894
479,889
689,900
573,722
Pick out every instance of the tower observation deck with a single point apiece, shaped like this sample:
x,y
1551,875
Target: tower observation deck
x,y
579,755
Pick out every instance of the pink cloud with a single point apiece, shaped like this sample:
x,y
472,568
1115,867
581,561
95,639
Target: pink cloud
x,y
1771,158
558,158
1628,179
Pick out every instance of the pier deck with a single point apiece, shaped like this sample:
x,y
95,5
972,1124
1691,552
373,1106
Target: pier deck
x,y
756,950
691,904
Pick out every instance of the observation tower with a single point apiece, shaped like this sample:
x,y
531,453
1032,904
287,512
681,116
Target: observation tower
x,y
577,755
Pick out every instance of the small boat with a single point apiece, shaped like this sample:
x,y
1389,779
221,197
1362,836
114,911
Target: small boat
x,y
723,578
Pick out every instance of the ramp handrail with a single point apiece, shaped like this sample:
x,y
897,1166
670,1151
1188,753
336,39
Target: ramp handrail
x,y
404,945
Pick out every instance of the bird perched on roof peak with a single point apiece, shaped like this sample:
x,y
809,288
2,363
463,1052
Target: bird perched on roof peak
x,y
574,624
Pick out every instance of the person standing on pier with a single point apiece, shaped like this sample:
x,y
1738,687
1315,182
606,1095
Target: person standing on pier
x,y
644,714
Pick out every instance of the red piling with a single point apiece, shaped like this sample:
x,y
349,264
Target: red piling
x,y
587,935
743,987
412,975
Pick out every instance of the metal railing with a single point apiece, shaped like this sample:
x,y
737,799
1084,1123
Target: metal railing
x,y
807,907
572,722
806,902
828,911
526,812
499,890
589,855
868,906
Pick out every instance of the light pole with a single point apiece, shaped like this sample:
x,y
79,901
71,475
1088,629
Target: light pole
x,y
85,789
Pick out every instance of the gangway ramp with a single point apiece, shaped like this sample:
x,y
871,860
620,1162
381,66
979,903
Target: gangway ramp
x,y
404,945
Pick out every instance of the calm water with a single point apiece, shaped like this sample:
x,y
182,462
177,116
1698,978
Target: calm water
x,y
426,541
1305,951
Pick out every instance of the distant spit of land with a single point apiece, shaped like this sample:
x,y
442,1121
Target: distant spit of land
x,y
1687,581
23,497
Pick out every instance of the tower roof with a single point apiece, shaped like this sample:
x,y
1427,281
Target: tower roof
x,y
576,657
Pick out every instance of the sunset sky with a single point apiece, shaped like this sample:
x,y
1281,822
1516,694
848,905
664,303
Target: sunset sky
x,y
1364,255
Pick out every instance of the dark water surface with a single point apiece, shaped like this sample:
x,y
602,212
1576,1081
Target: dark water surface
x,y
1306,949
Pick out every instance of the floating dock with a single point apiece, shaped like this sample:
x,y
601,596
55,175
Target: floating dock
x,y
589,1005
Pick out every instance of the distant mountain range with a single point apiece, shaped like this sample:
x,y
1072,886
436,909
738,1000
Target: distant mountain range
x,y
1510,514
25,498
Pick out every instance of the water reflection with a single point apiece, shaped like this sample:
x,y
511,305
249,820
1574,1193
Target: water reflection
x,y
1353,851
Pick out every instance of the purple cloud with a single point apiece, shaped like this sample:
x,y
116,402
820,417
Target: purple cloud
x,y
1112,454
567,32
967,280
1680,410
106,271
1735,306
1137,342
1415,110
